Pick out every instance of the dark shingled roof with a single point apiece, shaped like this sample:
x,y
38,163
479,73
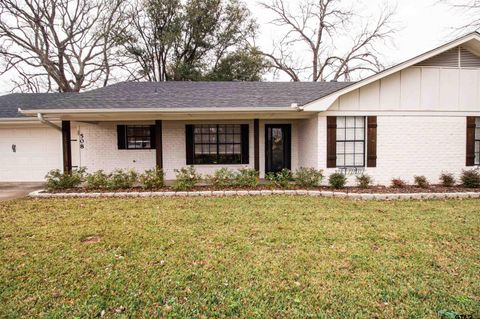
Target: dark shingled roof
x,y
10,103
196,94
174,95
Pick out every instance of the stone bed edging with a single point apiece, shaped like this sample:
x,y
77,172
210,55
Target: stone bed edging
x,y
356,196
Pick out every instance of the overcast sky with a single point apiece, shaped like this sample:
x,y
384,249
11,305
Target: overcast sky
x,y
423,25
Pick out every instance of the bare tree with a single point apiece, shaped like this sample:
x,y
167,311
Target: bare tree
x,y
470,10
71,41
314,29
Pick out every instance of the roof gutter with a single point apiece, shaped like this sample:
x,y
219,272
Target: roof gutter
x,y
46,122
157,110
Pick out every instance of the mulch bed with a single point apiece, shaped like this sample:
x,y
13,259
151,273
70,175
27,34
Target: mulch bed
x,y
370,190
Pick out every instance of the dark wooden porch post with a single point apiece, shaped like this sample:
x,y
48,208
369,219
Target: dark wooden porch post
x,y
67,147
158,143
256,145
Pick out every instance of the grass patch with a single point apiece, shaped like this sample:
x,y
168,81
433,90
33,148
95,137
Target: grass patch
x,y
251,257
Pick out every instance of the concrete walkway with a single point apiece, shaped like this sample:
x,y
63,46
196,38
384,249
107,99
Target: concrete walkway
x,y
17,190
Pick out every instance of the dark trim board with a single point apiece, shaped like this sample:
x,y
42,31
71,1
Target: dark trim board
x,y
66,147
256,144
158,144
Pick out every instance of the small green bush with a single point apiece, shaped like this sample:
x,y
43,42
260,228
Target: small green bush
x,y
470,178
280,179
222,177
421,181
398,183
246,177
96,180
337,180
122,179
364,180
447,179
186,178
153,178
56,179
308,177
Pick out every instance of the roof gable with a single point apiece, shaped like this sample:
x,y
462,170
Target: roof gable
x,y
471,47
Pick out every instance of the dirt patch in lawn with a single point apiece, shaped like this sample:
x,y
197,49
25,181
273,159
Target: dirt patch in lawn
x,y
91,239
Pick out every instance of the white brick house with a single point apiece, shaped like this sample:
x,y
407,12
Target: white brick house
x,y
420,117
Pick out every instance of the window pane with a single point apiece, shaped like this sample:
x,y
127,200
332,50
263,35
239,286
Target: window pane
x,y
477,133
340,121
360,121
340,161
358,147
340,133
358,159
236,138
213,138
340,147
237,149
350,134
229,138
359,133
350,121
236,129
349,147
349,160
198,149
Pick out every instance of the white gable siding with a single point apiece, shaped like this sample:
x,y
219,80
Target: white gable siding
x,y
417,89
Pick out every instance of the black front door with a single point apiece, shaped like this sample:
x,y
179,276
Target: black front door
x,y
277,147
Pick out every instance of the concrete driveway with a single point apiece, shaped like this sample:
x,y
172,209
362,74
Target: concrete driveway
x,y
17,190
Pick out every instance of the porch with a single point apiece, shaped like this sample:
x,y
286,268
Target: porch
x,y
267,143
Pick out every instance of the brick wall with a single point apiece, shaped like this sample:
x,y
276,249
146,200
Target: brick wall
x,y
412,145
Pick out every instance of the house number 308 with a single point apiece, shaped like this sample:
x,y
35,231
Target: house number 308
x,y
81,142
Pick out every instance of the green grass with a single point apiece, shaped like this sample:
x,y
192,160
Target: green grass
x,y
253,257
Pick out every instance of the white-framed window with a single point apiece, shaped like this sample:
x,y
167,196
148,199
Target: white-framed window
x,y
350,141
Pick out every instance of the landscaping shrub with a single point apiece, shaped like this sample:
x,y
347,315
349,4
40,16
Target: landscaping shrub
x,y
186,178
421,181
337,180
308,177
121,179
364,180
398,183
447,179
56,179
470,178
153,178
97,179
222,177
246,177
280,179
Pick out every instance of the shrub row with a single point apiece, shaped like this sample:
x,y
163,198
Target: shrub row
x,y
118,179
188,177
468,179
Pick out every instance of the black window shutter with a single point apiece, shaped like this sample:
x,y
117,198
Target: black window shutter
x,y
152,137
121,137
245,145
372,141
470,160
189,143
331,141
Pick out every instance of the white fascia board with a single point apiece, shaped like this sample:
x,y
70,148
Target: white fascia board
x,y
325,102
159,110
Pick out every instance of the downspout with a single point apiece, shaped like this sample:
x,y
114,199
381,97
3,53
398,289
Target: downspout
x,y
44,121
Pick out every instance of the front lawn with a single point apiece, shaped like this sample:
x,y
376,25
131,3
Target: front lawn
x,y
249,257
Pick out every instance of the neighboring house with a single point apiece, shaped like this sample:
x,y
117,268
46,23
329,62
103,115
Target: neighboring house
x,y
420,117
